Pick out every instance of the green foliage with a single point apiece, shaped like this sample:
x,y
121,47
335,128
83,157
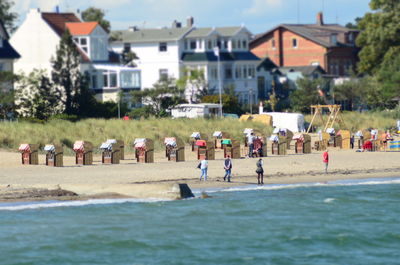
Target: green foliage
x,y
96,14
164,95
353,92
8,17
71,86
7,96
36,96
379,38
194,81
143,112
306,95
355,25
230,103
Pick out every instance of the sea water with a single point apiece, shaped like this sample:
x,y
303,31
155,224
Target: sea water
x,y
348,222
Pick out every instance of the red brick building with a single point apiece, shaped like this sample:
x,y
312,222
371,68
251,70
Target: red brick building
x,y
329,45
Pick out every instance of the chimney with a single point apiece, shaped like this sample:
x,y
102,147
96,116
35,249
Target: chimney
x,y
190,22
57,9
320,19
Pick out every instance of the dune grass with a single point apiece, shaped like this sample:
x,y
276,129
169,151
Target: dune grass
x,y
99,130
354,121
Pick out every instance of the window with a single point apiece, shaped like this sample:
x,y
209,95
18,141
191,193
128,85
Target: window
x,y
163,74
273,43
219,44
251,71
228,72
1,66
94,81
127,47
244,71
233,44
193,45
186,44
351,37
333,39
110,79
162,47
294,43
83,41
226,44
244,44
200,44
210,45
113,79
238,72
1,42
239,44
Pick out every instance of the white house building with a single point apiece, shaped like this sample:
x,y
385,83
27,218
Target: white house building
x,y
168,51
39,35
7,56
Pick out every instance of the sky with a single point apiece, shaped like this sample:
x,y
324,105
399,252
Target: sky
x,y
257,15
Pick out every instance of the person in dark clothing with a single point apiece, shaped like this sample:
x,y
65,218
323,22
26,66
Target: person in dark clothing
x,y
352,142
228,168
260,171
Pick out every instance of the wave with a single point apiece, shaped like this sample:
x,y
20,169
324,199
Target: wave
x,y
54,204
352,182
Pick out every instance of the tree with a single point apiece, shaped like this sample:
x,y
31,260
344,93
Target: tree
x,y
6,16
7,105
307,94
66,76
350,25
195,82
164,95
96,14
230,103
36,96
352,92
380,36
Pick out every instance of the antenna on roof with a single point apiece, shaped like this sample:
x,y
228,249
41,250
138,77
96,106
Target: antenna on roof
x,y
298,11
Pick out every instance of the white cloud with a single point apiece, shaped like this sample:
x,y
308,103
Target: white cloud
x,y
259,7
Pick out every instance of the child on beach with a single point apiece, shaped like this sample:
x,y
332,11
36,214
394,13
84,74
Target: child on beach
x,y
228,168
203,167
325,159
260,171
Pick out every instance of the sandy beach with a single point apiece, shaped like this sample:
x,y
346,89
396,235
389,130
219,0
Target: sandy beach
x,y
133,180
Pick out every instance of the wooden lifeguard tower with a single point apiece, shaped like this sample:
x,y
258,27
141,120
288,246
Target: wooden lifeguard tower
x,y
334,116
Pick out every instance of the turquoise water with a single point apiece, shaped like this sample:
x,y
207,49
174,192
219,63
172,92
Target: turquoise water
x,y
353,222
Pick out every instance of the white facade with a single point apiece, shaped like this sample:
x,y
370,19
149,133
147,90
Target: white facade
x,y
194,49
152,62
36,42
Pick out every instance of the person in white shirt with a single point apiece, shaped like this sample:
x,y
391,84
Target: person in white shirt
x,y
203,167
250,141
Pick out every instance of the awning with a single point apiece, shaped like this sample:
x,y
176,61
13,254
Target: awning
x,y
113,67
24,148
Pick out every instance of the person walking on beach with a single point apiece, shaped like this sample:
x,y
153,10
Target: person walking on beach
x,y
260,171
250,142
203,167
325,159
228,168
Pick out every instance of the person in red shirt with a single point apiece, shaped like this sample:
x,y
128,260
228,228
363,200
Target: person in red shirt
x,y
325,159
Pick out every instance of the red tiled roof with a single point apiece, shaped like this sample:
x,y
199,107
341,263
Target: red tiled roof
x,y
81,28
57,21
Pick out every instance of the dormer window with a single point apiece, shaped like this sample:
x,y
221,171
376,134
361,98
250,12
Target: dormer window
x,y
82,42
193,44
334,39
210,46
1,42
351,37
294,43
162,47
244,44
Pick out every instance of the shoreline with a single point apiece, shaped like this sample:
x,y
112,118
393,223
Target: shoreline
x,y
140,181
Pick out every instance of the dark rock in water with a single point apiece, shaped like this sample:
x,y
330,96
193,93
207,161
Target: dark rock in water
x,y
183,191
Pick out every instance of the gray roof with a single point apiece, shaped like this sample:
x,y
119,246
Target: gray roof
x,y
314,32
305,70
204,32
150,35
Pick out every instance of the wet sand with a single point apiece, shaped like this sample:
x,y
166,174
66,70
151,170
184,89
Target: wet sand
x,y
133,180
